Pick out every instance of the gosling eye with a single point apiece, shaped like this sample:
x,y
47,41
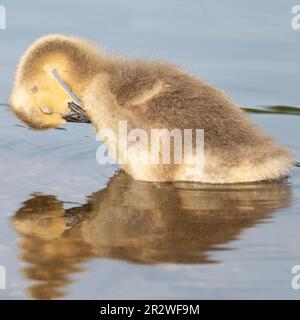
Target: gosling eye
x,y
34,89
46,110
45,222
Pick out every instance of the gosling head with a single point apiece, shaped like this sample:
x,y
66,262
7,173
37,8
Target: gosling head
x,y
41,104
38,97
49,108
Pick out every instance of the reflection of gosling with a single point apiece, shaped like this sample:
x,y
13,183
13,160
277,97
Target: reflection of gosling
x,y
145,222
147,95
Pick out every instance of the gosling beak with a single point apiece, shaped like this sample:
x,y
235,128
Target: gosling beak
x,y
76,114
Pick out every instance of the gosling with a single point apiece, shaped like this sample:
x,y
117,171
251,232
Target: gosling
x,y
147,95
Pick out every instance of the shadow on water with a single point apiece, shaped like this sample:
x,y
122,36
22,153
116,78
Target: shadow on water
x,y
275,110
297,164
137,222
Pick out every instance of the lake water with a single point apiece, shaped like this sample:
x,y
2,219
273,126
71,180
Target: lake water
x,y
70,228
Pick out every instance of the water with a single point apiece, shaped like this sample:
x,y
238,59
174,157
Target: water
x,y
70,228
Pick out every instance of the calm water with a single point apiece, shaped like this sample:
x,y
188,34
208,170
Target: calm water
x,y
70,228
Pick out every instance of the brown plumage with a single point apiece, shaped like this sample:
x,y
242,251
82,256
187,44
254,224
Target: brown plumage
x,y
147,95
